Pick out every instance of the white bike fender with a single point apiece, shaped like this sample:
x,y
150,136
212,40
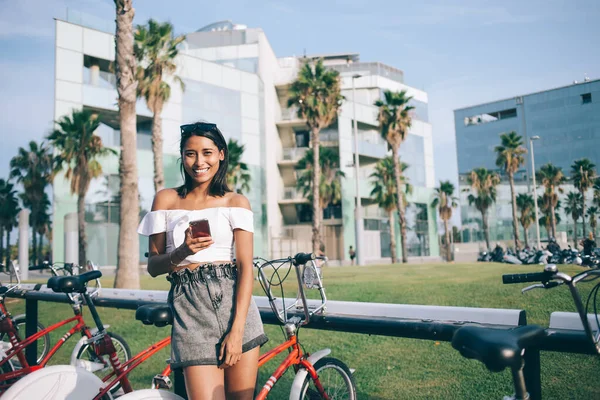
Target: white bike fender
x,y
301,375
80,343
93,331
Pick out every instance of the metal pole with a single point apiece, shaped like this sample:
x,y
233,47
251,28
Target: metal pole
x,y
537,221
359,248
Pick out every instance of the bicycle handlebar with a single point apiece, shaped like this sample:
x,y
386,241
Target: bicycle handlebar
x,y
551,278
297,261
527,277
303,258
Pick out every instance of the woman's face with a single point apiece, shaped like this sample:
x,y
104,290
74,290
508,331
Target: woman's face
x,y
201,158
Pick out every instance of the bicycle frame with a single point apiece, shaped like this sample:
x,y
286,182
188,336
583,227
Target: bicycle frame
x,y
120,372
18,345
296,358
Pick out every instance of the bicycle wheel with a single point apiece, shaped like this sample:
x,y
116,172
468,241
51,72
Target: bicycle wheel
x,y
87,353
43,343
336,378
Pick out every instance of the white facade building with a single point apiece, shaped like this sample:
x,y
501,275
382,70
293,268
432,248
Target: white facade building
x,y
233,78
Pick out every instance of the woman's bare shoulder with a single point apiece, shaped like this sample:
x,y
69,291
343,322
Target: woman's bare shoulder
x,y
165,199
237,200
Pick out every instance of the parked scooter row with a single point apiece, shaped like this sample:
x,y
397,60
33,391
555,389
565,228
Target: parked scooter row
x,y
553,254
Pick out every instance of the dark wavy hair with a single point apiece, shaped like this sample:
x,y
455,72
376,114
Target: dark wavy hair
x,y
218,185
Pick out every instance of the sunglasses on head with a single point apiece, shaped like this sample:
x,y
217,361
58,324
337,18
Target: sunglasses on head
x,y
198,126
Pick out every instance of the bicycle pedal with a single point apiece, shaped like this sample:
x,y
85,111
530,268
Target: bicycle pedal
x,y
162,382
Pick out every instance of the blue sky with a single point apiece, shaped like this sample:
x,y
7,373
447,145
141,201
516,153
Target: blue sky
x,y
460,52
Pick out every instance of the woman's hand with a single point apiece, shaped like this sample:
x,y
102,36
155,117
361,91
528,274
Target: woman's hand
x,y
193,245
231,349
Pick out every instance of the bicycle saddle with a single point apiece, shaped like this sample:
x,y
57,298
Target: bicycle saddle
x,y
157,314
496,348
71,284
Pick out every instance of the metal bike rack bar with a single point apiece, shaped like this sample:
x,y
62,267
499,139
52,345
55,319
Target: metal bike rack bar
x,y
394,320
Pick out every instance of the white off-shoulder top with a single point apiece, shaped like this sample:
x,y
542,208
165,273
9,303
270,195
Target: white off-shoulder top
x,y
222,220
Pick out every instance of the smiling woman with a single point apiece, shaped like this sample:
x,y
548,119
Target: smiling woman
x,y
217,328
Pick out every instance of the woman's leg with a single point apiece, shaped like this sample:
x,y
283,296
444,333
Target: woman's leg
x,y
241,378
204,382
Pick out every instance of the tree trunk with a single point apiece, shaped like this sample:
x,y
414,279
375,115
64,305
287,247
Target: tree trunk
x,y
157,147
2,246
316,205
392,229
447,238
486,233
34,253
81,227
513,198
552,220
583,213
400,206
525,236
8,249
128,274
575,232
40,248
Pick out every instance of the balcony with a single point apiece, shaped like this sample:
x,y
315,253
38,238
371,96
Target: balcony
x,y
370,68
292,154
374,212
289,118
291,195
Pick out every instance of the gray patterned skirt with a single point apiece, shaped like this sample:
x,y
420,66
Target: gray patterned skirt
x,y
203,305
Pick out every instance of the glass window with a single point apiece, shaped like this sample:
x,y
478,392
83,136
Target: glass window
x,y
203,101
586,98
417,234
421,111
412,152
490,117
302,139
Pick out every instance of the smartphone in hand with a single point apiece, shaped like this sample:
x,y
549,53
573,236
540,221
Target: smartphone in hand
x,y
200,228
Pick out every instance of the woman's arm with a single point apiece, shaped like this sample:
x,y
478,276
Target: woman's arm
x,y
160,262
244,247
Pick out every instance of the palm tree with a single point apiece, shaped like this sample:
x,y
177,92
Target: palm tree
x,y
9,208
40,222
384,193
395,119
44,225
317,95
510,159
330,190
78,150
546,204
484,183
155,49
525,204
445,201
34,169
574,208
584,176
238,176
546,221
551,177
128,274
592,213
597,191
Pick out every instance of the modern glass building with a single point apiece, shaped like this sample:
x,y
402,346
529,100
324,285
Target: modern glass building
x,y
233,78
567,121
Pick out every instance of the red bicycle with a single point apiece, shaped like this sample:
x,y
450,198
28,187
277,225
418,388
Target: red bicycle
x,y
14,364
317,376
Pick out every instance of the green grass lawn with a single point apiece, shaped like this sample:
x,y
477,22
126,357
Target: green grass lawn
x,y
392,368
